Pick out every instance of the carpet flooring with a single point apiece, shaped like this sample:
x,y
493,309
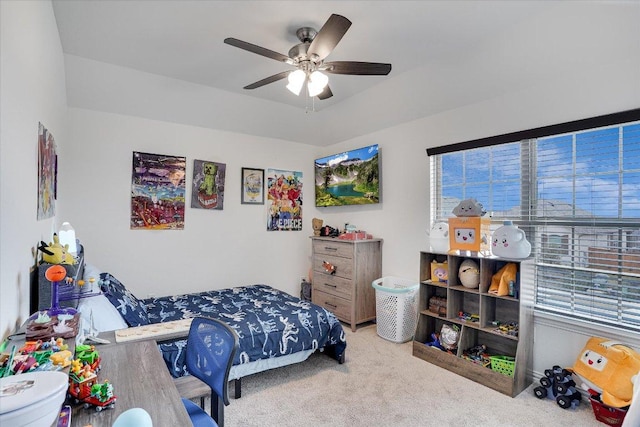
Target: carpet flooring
x,y
382,384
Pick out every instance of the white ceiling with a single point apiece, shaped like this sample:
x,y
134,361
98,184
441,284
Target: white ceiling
x,y
444,54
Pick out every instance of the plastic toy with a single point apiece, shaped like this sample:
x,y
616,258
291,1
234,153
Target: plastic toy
x,y
608,368
558,385
435,342
509,241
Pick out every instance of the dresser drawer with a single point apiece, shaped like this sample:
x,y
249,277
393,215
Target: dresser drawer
x,y
344,266
333,285
338,306
327,247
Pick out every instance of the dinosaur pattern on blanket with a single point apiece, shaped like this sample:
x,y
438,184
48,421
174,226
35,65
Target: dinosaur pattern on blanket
x,y
269,323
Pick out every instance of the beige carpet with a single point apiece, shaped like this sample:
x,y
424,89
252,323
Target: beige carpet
x,y
382,384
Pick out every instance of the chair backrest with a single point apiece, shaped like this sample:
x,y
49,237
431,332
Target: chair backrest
x,y
211,347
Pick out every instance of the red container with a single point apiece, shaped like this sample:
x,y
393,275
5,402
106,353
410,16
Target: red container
x,y
607,414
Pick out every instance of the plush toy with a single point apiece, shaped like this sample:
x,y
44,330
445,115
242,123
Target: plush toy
x,y
439,237
509,241
469,207
469,274
55,253
608,368
316,223
500,281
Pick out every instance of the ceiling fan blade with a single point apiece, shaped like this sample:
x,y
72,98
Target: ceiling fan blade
x,y
357,68
326,93
268,80
329,35
258,49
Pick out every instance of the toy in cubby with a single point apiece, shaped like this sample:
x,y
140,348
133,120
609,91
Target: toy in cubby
x,y
558,384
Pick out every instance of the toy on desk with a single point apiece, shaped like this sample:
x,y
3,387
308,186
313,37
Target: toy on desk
x,y
56,274
84,386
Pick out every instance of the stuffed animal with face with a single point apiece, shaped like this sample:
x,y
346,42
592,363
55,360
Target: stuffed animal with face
x,y
608,368
316,223
510,242
469,207
439,237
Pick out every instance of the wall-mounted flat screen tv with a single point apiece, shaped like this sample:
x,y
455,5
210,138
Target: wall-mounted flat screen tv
x,y
348,178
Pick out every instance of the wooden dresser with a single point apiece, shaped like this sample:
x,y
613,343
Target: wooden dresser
x,y
348,292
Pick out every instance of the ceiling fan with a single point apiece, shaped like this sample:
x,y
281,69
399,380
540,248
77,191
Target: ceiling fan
x,y
308,58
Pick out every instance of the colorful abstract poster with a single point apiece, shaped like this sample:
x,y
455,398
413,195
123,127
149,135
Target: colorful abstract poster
x,y
207,190
157,192
284,200
47,173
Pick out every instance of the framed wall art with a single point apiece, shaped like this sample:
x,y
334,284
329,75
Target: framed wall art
x,y
47,173
252,186
207,191
284,200
157,192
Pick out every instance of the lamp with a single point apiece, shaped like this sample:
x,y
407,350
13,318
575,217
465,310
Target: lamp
x,y
317,83
296,80
67,236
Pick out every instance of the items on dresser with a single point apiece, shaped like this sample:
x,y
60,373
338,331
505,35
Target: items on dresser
x,y
347,292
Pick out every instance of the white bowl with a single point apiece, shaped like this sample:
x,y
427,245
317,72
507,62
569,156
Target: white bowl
x,y
33,399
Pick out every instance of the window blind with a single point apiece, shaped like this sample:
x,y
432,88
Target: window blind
x,y
577,197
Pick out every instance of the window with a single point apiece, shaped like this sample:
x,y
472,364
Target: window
x,y
576,195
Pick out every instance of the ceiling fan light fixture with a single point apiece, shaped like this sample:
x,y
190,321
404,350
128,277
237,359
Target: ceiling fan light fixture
x,y
317,82
296,81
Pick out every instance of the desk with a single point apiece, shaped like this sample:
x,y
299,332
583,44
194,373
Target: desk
x,y
140,380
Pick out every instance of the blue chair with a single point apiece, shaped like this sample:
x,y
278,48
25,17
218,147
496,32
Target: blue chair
x,y
211,347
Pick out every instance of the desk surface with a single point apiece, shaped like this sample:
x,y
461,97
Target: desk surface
x,y
140,380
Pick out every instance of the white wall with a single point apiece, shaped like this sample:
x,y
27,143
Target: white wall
x,y
217,248
33,90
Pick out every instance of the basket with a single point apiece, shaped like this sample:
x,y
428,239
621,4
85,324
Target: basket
x,y
503,364
396,308
607,414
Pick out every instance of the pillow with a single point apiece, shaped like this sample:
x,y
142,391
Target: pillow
x,y
123,300
105,315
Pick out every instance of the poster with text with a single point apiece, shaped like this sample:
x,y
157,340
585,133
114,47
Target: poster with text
x,y
47,173
207,189
284,200
157,192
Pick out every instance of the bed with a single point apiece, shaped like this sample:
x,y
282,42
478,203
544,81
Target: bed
x,y
274,328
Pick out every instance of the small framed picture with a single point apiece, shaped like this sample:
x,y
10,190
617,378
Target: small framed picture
x,y
252,186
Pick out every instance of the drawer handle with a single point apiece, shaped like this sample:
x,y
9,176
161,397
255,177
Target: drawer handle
x,y
330,285
330,305
329,248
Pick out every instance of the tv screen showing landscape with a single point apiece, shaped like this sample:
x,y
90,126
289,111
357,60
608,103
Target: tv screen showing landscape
x,y
348,178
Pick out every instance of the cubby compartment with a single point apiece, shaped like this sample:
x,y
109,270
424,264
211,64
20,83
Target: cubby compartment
x,y
464,306
488,312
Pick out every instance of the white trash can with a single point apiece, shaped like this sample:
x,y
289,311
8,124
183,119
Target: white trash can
x,y
396,308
